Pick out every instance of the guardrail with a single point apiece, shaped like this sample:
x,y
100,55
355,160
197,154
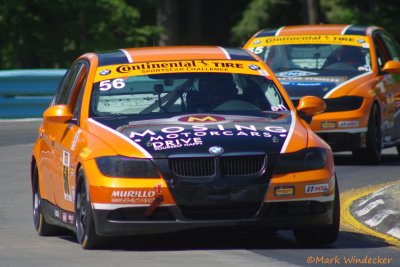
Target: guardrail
x,y
27,93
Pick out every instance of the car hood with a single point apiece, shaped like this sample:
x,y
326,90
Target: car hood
x,y
300,83
196,134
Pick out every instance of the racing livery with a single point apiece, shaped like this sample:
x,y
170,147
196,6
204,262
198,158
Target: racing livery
x,y
153,140
354,69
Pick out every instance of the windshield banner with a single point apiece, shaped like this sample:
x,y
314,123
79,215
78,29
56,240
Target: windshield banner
x,y
353,40
164,67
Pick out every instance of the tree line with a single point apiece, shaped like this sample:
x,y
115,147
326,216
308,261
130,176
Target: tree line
x,y
51,34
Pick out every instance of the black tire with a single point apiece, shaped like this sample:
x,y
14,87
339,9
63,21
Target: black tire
x,y
372,154
318,236
41,226
84,222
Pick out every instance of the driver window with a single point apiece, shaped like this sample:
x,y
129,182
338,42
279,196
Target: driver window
x,y
391,46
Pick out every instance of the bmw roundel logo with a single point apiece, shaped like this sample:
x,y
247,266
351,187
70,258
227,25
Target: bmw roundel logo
x,y
216,150
105,72
254,67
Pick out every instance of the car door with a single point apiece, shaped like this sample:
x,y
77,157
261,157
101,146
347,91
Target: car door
x,y
64,134
388,49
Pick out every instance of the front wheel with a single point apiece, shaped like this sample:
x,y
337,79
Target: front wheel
x,y
373,152
84,222
323,235
41,226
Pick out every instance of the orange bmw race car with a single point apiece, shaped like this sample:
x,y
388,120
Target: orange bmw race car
x,y
154,140
354,69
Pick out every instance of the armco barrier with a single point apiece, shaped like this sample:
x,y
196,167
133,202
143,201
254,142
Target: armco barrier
x,y
27,93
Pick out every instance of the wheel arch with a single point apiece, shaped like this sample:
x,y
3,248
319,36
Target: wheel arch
x,y
33,167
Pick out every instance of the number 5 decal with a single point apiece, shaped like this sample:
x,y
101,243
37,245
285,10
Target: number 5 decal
x,y
108,84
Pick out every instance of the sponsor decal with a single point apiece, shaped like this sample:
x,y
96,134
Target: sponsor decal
x,y
222,66
75,140
316,188
302,84
70,218
295,73
65,175
353,40
201,119
348,124
325,80
279,107
85,153
135,196
64,216
328,124
178,136
284,191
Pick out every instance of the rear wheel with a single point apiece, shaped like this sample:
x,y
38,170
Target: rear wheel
x,y
84,222
324,235
373,152
42,227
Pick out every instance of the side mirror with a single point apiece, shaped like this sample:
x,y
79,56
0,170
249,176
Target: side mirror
x,y
57,114
311,105
392,67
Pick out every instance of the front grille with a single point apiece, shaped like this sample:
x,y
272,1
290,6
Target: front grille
x,y
239,166
192,167
228,166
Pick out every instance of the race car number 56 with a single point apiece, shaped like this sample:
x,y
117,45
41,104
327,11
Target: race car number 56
x,y
109,84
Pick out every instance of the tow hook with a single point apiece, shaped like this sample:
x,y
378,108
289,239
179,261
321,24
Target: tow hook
x,y
156,202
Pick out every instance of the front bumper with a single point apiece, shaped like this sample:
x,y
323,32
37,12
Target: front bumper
x,y
344,141
274,215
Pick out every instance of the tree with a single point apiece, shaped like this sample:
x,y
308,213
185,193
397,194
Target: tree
x,y
261,14
48,34
382,13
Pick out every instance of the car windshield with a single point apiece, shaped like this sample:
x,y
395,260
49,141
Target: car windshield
x,y
326,59
184,93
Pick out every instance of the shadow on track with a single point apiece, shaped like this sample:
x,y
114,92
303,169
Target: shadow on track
x,y
222,239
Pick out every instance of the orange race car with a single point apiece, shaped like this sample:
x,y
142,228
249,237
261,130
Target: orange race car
x,y
153,140
354,69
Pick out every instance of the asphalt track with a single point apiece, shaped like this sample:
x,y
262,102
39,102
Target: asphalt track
x,y
20,246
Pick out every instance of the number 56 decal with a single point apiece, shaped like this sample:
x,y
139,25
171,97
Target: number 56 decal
x,y
109,84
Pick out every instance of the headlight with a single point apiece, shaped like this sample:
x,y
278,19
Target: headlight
x,y
343,103
119,166
304,160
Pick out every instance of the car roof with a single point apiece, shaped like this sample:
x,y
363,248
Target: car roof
x,y
167,53
337,29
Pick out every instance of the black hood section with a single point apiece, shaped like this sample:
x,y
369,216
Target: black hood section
x,y
298,89
195,133
299,83
226,185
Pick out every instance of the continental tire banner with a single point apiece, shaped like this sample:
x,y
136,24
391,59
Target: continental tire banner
x,y
353,40
183,66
